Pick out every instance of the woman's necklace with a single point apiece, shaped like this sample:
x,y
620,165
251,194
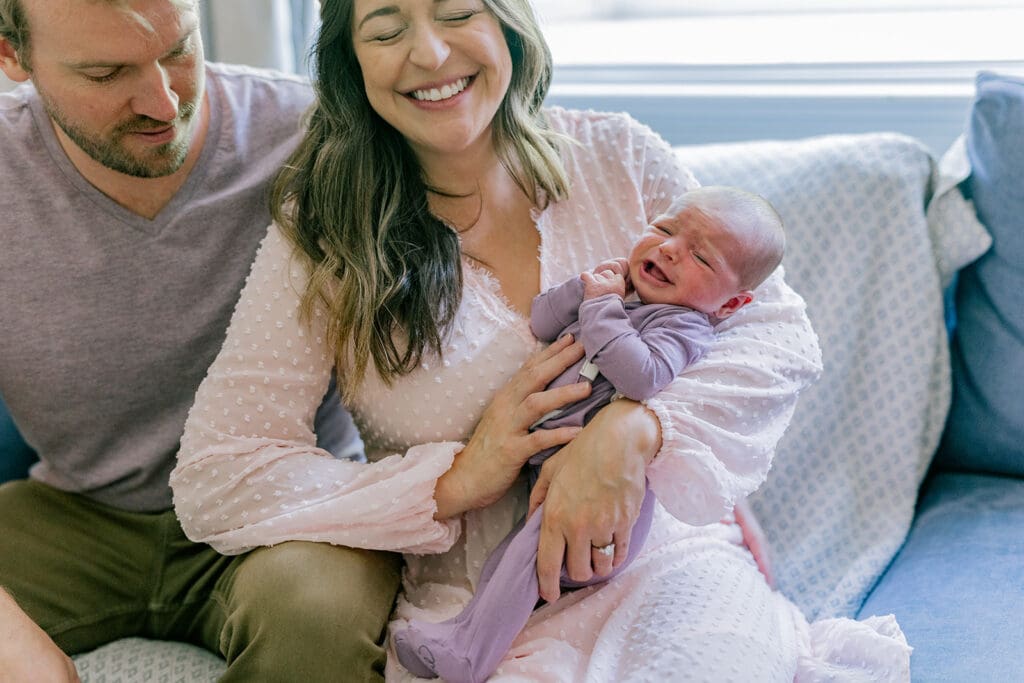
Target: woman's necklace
x,y
459,226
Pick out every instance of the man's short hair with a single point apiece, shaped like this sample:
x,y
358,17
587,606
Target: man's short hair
x,y
14,26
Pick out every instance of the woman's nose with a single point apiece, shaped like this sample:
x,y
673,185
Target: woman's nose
x,y
429,49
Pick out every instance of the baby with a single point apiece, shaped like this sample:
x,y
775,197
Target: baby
x,y
693,266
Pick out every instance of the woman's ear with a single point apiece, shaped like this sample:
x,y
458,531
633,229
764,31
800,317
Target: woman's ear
x,y
734,304
10,64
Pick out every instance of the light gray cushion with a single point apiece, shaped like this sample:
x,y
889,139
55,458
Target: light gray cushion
x,y
136,660
859,249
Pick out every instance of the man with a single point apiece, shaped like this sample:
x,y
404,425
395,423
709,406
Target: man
x,y
134,197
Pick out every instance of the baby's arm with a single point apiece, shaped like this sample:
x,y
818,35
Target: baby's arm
x,y
640,364
555,309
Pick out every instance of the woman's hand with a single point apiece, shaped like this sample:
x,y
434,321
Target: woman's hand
x,y
502,442
592,490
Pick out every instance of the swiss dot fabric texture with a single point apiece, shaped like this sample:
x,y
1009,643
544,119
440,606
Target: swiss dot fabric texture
x,y
249,472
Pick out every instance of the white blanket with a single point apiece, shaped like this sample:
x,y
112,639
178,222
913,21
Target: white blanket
x,y
840,498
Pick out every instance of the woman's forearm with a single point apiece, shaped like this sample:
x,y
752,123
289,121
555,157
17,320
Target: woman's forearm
x,y
632,423
450,495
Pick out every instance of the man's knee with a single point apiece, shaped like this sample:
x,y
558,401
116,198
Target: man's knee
x,y
318,606
316,581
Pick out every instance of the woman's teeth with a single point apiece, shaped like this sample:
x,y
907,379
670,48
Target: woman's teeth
x,y
442,93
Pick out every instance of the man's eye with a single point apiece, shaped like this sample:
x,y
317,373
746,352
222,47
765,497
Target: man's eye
x,y
104,77
182,51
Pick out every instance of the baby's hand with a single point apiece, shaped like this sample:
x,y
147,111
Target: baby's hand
x,y
615,265
598,284
611,267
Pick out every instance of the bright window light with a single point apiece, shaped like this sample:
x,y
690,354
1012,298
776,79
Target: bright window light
x,y
698,32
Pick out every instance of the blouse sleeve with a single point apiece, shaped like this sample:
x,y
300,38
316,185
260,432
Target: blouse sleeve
x,y
249,472
722,418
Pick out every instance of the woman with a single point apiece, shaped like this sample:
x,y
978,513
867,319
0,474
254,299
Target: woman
x,y
405,255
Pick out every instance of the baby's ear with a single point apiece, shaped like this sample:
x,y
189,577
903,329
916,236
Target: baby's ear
x,y
734,304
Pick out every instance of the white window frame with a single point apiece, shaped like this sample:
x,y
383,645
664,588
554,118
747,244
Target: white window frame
x,y
722,78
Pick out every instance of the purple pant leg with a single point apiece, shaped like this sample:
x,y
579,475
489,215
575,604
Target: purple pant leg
x,y
468,647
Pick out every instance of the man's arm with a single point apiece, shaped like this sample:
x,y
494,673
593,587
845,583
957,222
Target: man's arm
x,y
26,652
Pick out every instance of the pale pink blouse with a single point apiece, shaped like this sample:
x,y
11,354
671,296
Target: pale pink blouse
x,y
249,473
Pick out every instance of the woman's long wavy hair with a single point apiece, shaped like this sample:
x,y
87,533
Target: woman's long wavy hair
x,y
354,199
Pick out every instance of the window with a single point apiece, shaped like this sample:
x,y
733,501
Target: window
x,y
720,70
620,9
782,32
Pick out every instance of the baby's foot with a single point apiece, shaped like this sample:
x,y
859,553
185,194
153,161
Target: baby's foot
x,y
429,650
418,659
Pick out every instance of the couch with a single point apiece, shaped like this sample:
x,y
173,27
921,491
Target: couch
x,y
862,516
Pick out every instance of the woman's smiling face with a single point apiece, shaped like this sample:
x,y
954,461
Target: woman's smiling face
x,y
436,70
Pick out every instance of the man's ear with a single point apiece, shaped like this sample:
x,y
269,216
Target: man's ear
x,y
10,64
734,304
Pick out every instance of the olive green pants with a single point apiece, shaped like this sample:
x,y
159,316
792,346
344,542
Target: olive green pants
x,y
89,574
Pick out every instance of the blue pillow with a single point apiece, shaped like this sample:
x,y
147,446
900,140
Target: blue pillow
x,y
15,455
985,429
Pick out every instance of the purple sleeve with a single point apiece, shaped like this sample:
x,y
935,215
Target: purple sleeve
x,y
555,309
640,364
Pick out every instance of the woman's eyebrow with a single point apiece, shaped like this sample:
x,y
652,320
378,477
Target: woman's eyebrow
x,y
387,11
379,12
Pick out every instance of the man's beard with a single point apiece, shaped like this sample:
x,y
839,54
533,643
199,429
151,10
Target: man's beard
x,y
161,161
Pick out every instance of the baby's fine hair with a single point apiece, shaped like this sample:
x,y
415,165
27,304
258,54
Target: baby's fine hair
x,y
751,217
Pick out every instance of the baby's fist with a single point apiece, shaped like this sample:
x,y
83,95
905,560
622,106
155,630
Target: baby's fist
x,y
619,266
597,284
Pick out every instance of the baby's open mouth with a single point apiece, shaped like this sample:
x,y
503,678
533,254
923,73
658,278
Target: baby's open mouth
x,y
655,272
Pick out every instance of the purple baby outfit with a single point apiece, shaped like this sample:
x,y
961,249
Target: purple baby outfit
x,y
638,349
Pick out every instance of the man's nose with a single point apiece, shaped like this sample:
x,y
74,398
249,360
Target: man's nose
x,y
155,97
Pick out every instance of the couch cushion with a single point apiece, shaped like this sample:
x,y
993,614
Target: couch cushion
x,y
986,422
15,455
136,660
956,587
840,497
